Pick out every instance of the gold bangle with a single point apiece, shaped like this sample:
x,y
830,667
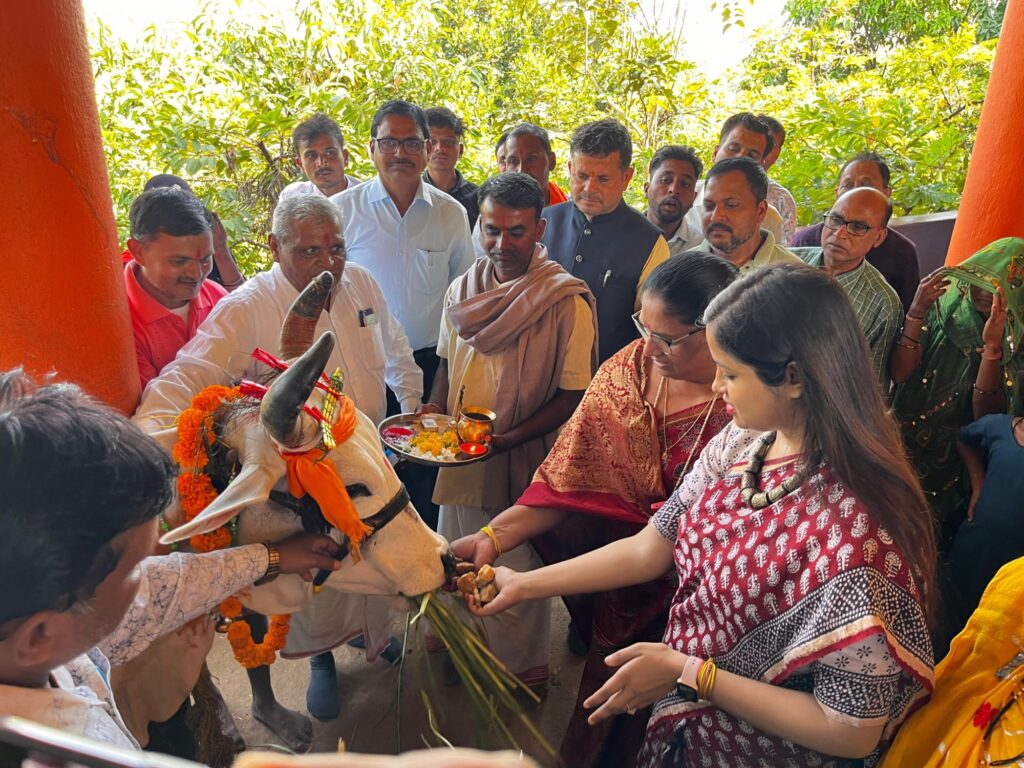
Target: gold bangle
x,y
493,537
273,564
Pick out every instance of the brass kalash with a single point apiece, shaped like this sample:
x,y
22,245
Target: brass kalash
x,y
474,426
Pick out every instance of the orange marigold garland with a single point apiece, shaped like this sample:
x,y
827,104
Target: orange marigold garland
x,y
196,491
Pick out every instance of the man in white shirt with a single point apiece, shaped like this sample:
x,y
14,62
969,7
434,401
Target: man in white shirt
x,y
415,240
306,239
80,590
320,153
670,189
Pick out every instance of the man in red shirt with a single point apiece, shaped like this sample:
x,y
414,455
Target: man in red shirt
x,y
171,245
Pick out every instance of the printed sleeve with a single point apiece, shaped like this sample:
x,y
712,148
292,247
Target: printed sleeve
x,y
728,447
859,684
177,588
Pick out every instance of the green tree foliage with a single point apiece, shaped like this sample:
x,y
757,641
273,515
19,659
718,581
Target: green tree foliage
x,y
217,103
887,22
916,105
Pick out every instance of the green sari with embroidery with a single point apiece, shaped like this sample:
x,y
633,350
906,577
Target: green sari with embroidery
x,y
937,400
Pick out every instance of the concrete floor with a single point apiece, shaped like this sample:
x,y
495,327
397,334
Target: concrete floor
x,y
372,710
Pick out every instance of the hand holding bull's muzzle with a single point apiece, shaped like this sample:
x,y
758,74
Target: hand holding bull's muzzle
x,y
305,553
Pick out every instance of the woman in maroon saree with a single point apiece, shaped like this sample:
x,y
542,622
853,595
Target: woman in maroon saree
x,y
643,421
799,634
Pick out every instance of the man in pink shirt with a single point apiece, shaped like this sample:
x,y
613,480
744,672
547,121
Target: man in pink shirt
x,y
171,245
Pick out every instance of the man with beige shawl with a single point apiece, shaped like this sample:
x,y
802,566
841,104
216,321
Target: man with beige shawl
x,y
518,332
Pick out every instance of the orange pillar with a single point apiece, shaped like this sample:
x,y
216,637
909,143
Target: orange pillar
x,y
990,207
62,299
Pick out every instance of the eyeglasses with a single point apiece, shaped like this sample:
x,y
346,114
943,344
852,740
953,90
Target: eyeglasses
x,y
663,344
390,146
855,228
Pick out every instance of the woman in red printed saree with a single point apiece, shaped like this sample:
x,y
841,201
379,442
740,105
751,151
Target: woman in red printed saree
x,y
799,634
643,421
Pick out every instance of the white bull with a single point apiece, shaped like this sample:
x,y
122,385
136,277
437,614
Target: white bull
x,y
403,557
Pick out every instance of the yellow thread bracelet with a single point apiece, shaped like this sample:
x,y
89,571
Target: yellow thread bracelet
x,y
706,679
493,537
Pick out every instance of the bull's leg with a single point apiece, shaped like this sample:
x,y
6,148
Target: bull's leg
x,y
291,727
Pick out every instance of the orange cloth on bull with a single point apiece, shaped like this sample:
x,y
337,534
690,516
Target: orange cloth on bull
x,y
311,472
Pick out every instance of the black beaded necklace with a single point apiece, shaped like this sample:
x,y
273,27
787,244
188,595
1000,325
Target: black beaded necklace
x,y
751,493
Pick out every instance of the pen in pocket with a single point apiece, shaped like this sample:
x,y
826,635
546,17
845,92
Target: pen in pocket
x,y
606,276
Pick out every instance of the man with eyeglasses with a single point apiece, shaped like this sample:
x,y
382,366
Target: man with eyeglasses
x,y
415,240
320,152
856,224
896,256
446,149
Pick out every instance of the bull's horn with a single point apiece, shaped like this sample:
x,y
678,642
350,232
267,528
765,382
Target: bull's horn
x,y
300,322
282,404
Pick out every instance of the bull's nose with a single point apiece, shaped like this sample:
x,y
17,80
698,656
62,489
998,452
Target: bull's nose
x,y
448,561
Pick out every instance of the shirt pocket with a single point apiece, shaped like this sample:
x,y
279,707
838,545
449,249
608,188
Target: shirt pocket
x,y
371,346
428,272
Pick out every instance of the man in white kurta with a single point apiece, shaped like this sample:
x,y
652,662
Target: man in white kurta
x,y
518,333
371,350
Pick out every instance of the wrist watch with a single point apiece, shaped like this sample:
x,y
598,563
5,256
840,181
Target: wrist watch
x,y
273,565
686,685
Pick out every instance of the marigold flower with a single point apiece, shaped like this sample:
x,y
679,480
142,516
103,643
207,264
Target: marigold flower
x,y
231,607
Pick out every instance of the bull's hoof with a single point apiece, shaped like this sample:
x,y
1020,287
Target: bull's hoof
x,y
322,694
293,728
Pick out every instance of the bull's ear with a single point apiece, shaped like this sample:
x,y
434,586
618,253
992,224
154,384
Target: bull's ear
x,y
251,486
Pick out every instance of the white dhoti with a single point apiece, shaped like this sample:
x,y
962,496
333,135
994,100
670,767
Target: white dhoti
x,y
334,617
520,636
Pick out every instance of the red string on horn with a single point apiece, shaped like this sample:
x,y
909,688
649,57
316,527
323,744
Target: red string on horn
x,y
262,356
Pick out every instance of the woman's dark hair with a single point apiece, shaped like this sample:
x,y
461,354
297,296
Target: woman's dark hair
x,y
790,313
687,283
74,476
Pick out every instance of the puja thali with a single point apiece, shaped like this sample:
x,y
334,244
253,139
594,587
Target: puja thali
x,y
431,439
